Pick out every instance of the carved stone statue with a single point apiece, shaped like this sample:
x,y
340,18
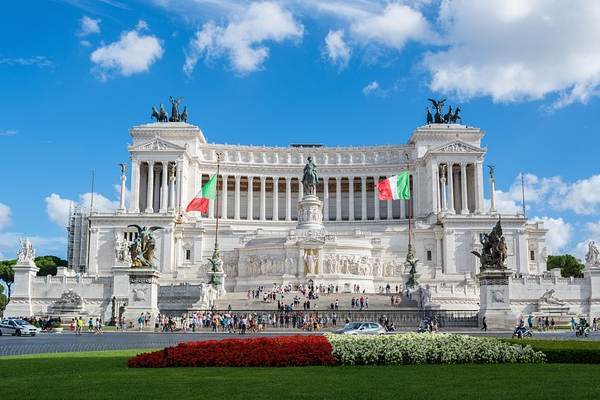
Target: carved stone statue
x,y
429,116
550,298
310,177
123,168
175,108
592,258
310,261
143,247
437,105
26,252
494,250
122,253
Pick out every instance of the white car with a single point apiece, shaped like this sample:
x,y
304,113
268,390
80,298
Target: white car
x,y
17,327
362,328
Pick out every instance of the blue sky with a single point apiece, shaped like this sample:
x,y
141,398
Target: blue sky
x,y
76,75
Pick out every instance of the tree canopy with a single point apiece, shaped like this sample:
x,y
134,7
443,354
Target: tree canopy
x,y
568,264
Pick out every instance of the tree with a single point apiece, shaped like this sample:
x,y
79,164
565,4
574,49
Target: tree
x,y
569,265
7,274
3,300
48,264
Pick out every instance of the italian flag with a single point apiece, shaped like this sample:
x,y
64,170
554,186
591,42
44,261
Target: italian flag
x,y
395,187
208,192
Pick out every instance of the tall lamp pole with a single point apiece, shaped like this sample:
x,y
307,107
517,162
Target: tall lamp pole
x,y
216,252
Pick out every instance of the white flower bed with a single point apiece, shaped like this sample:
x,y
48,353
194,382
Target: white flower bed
x,y
428,348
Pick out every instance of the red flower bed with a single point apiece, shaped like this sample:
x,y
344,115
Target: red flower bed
x,y
279,351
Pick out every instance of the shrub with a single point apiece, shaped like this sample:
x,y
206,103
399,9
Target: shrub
x,y
566,351
281,351
428,349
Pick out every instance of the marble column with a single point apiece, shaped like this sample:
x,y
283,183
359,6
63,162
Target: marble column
x,y
134,207
211,205
444,201
351,198
338,198
236,204
363,198
402,208
263,198
121,208
451,187
439,251
300,190
171,200
464,206
478,187
325,199
492,195
376,198
390,209
150,191
250,198
288,198
179,182
224,197
435,184
275,198
164,196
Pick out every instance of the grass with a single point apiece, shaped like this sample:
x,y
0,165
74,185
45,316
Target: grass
x,y
104,375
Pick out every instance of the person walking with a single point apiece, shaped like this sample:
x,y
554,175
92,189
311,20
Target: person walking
x,y
484,325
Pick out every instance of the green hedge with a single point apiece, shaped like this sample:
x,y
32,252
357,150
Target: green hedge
x,y
565,351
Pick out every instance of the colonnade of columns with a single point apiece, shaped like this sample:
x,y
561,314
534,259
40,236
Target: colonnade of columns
x,y
249,197
456,187
159,191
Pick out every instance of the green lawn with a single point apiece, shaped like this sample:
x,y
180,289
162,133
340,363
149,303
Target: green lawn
x,y
104,375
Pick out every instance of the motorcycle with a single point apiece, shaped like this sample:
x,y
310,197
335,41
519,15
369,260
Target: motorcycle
x,y
521,332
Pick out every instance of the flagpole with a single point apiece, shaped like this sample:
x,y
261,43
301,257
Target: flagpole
x,y
216,252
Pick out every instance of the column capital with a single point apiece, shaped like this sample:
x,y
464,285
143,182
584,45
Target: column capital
x,y
263,178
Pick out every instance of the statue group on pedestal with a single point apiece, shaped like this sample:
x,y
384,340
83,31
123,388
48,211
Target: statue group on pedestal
x,y
494,250
160,115
592,257
310,178
141,249
450,117
26,251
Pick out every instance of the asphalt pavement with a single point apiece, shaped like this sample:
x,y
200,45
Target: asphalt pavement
x,y
68,342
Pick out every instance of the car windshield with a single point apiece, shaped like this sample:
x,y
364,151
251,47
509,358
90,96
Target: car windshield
x,y
352,325
20,322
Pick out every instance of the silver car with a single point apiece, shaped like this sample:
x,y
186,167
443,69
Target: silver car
x,y
362,328
17,327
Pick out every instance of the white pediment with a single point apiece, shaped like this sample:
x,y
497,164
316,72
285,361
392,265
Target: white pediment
x,y
457,147
157,144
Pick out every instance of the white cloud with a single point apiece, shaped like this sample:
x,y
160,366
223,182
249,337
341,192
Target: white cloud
x,y
88,26
242,41
5,216
43,245
336,49
58,208
8,132
370,88
559,233
516,50
393,26
133,53
38,61
581,197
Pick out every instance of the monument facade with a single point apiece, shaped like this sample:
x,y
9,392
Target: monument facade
x,y
306,213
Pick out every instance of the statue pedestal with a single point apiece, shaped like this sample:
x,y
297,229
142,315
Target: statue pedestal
x,y
494,299
310,214
217,279
143,295
20,304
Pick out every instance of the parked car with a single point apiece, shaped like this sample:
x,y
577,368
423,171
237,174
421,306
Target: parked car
x,y
17,327
362,328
